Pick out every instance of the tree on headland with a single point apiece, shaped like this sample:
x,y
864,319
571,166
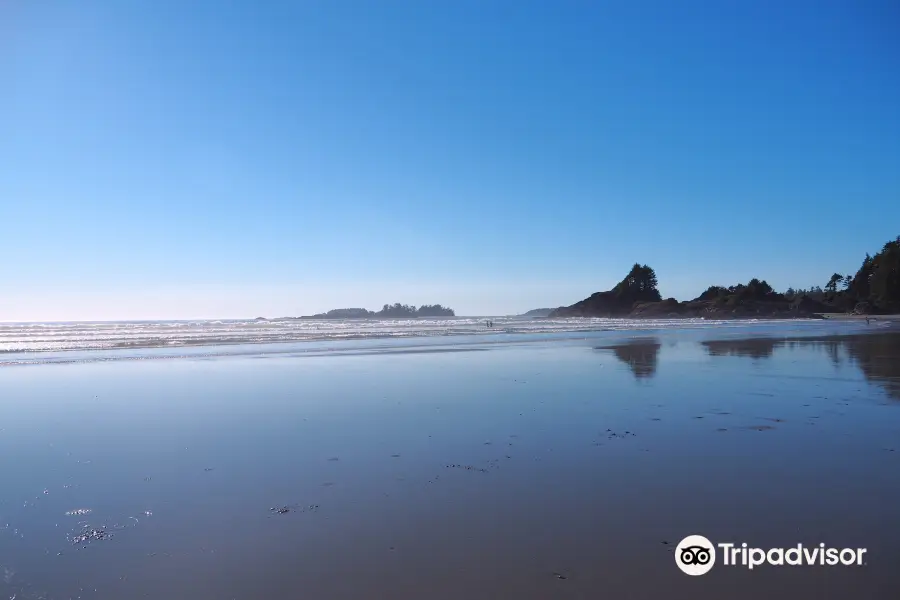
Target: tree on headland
x,y
884,279
713,292
832,284
859,287
874,288
640,284
759,289
649,280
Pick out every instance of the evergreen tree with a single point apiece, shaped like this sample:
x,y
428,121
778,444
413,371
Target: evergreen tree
x,y
832,284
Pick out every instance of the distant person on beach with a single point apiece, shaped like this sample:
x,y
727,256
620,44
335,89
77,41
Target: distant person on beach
x,y
867,320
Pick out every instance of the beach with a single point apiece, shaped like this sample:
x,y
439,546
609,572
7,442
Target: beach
x,y
449,301
562,462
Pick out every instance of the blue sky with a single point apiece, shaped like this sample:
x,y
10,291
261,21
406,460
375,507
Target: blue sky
x,y
164,159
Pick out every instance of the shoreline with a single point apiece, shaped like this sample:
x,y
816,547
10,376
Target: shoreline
x,y
368,345
852,317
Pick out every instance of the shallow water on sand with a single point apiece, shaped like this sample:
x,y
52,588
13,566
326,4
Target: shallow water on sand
x,y
41,343
566,469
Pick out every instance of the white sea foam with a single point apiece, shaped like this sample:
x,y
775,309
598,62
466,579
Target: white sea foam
x,y
43,337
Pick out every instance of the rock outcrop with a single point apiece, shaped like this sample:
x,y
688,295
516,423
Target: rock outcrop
x,y
636,296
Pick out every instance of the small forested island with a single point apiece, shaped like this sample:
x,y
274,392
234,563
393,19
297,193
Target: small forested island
x,y
874,289
388,311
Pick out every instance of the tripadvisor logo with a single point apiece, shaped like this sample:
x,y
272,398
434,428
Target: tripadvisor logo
x,y
696,555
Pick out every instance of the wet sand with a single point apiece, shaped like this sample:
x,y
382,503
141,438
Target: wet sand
x,y
566,469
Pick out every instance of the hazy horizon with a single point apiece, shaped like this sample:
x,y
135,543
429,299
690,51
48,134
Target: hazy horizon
x,y
210,301
170,160
225,302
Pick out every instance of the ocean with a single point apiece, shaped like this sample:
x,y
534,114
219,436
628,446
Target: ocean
x,y
38,343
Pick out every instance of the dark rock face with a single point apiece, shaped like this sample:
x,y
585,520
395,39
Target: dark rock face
x,y
658,310
747,309
600,304
808,305
639,286
538,312
862,308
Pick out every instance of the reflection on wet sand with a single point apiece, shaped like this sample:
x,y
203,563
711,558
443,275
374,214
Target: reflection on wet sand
x,y
641,356
521,472
876,356
750,348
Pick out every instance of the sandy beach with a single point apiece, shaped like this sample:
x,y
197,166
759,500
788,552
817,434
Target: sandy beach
x,y
449,300
552,469
852,317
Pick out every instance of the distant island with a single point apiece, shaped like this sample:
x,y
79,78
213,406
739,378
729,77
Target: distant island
x,y
388,311
874,289
538,312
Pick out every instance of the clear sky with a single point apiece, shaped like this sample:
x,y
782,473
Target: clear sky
x,y
215,158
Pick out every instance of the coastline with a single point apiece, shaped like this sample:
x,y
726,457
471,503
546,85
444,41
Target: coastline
x,y
895,318
201,343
